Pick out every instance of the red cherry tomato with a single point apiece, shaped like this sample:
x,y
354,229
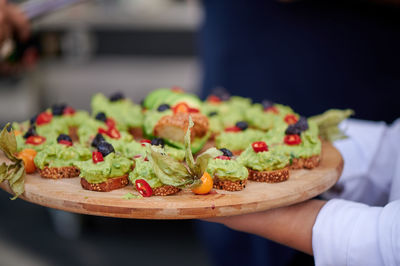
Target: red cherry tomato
x,y
213,99
259,146
65,142
291,119
69,111
44,118
223,157
181,108
143,188
144,141
35,140
292,139
97,157
232,129
110,122
272,109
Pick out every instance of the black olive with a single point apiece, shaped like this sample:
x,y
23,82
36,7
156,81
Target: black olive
x,y
296,129
117,96
211,114
292,130
97,139
101,117
157,142
64,137
30,132
105,148
9,127
58,109
163,107
226,152
302,124
33,119
267,104
242,125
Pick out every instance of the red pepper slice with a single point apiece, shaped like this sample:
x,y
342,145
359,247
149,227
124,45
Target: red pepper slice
x,y
291,119
144,141
259,146
35,140
181,108
223,157
292,139
137,156
110,122
232,129
143,188
177,89
193,110
69,111
111,132
97,157
44,118
65,142
214,99
272,109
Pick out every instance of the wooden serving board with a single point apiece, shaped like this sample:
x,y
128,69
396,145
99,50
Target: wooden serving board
x,y
68,195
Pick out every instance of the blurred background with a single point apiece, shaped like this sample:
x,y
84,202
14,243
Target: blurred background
x,y
311,55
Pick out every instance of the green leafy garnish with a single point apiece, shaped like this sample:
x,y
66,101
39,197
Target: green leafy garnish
x,y
129,196
174,173
14,173
328,123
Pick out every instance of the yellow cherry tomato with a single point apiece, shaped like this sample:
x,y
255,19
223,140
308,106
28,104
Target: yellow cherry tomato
x,y
206,185
28,155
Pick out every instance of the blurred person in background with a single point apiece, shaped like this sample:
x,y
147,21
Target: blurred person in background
x,y
13,26
311,55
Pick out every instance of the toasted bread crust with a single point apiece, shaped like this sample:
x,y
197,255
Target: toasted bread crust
x,y
110,184
165,190
73,133
275,176
308,163
229,185
174,127
59,172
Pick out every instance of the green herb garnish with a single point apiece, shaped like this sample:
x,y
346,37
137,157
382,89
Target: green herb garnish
x,y
14,173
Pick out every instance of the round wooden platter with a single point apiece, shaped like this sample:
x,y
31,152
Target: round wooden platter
x,y
68,195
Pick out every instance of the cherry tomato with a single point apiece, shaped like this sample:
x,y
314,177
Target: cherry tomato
x,y
35,140
110,122
213,99
181,108
291,119
28,156
272,109
65,142
292,139
206,185
223,157
144,141
259,146
97,157
232,129
143,188
177,89
44,118
69,111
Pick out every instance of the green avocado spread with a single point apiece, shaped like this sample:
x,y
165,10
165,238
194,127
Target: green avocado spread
x,y
227,169
273,159
144,170
112,166
237,141
58,155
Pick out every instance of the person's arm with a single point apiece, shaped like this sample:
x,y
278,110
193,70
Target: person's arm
x,y
290,226
12,20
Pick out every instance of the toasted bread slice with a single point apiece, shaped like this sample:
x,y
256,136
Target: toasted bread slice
x,y
275,176
229,185
110,184
174,127
308,163
165,190
59,172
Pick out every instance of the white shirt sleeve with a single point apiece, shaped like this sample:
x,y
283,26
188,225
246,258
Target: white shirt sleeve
x,y
349,233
